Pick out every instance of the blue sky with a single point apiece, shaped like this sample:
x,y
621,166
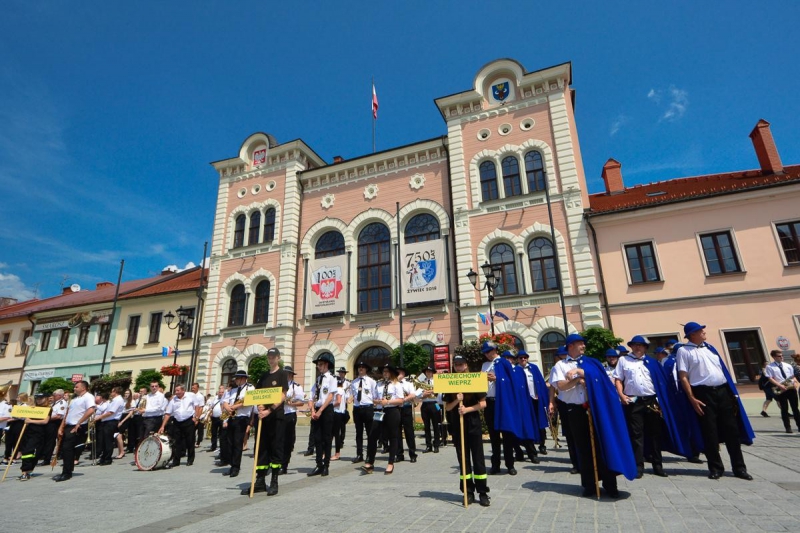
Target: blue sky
x,y
111,112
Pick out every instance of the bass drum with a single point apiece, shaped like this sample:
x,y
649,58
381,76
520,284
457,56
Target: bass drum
x,y
153,452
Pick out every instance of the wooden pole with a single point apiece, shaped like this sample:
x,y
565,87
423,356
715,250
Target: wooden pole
x,y
255,457
594,452
463,455
14,453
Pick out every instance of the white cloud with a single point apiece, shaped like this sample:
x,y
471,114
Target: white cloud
x,y
12,286
677,104
655,96
617,123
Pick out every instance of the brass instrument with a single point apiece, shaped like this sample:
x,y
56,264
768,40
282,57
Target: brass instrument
x,y
4,388
422,385
788,383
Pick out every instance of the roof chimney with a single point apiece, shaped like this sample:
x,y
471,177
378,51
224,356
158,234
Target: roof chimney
x,y
103,285
612,176
338,159
766,151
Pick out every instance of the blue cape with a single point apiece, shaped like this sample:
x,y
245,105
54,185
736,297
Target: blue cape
x,y
540,419
611,432
513,409
684,412
676,437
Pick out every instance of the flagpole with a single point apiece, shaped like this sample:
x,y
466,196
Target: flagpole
x,y
372,103
399,284
111,319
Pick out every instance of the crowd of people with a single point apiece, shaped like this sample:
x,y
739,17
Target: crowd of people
x,y
614,417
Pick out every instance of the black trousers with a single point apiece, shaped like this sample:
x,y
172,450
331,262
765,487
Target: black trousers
x,y
105,439
224,447
323,437
362,418
134,431
182,434
312,435
216,425
473,456
391,426
561,413
430,421
271,447
719,423
72,445
642,420
785,400
339,429
13,430
45,452
236,433
34,440
500,440
407,425
289,436
150,424
200,432
578,421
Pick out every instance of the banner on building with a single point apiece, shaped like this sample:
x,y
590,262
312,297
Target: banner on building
x,y
326,283
423,272
38,375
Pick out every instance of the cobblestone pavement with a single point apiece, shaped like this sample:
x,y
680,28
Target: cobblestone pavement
x,y
417,497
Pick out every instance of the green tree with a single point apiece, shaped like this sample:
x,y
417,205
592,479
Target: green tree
x,y
598,340
415,358
471,351
51,384
146,377
258,365
108,381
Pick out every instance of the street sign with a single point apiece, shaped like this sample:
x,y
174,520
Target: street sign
x,y
783,343
77,377
461,382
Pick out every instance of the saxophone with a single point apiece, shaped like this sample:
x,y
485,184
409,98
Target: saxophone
x,y
788,383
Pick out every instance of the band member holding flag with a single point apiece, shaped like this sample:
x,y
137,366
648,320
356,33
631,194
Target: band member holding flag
x,y
34,439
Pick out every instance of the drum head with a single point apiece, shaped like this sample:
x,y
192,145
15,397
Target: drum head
x,y
148,453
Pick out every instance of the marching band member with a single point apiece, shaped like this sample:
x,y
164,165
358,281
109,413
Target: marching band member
x,y
106,422
216,413
5,415
13,430
514,416
389,397
489,351
128,408
713,395
537,388
321,406
200,429
781,376
59,408
342,375
74,428
407,418
429,410
183,411
558,411
136,428
238,420
96,436
271,446
34,439
469,404
612,360
362,390
295,398
224,457
340,414
153,412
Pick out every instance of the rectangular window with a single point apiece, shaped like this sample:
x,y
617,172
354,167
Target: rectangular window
x,y
83,335
4,345
719,252
188,331
26,333
133,330
789,234
45,345
63,338
155,327
642,262
102,337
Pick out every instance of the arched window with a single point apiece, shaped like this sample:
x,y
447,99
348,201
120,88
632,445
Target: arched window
x,y
236,309
488,181
518,344
229,368
511,183
255,225
421,228
374,356
502,255
428,347
374,269
548,345
534,171
238,232
543,264
269,225
330,244
262,303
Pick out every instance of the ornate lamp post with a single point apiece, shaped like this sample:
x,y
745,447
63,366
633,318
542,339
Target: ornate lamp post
x,y
184,326
492,275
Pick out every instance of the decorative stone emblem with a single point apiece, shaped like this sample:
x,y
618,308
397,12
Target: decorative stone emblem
x,y
327,201
417,181
371,191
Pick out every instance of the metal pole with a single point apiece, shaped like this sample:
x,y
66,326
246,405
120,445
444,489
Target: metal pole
x,y
555,254
491,312
111,320
399,284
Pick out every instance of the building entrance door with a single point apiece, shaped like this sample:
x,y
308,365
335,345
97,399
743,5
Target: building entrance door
x,y
746,354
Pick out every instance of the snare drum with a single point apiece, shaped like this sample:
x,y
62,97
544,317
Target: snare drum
x,y
153,452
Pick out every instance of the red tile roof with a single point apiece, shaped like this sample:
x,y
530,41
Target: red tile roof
x,y
188,280
683,189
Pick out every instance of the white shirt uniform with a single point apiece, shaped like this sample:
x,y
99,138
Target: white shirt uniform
x,y
101,409
324,386
529,379
388,391
362,390
200,398
635,376
341,396
701,364
488,366
575,395
773,370
5,412
293,394
216,406
181,409
408,388
237,395
428,381
78,407
156,404
59,409
115,406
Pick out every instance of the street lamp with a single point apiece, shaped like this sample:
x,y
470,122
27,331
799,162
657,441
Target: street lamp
x,y
492,275
185,318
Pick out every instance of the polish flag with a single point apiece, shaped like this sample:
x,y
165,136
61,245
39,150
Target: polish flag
x,y
374,102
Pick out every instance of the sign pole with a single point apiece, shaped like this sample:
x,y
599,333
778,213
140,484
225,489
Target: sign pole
x,y
14,453
463,454
255,457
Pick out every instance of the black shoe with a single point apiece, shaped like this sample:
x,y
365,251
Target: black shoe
x,y
384,450
233,472
470,498
324,472
283,471
494,470
429,450
317,471
308,453
742,474
436,450
190,462
512,471
413,458
535,460
176,463
519,458
764,414
25,477
639,472
62,477
273,485
221,463
612,492
574,471
695,459
588,492
44,463
212,449
789,430
484,500
714,475
543,450
659,471
358,459
399,459
260,486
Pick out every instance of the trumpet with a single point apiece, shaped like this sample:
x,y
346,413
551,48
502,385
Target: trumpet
x,y
422,385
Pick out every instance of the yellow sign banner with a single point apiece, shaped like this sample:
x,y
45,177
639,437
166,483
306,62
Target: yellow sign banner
x,y
268,396
460,382
25,411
